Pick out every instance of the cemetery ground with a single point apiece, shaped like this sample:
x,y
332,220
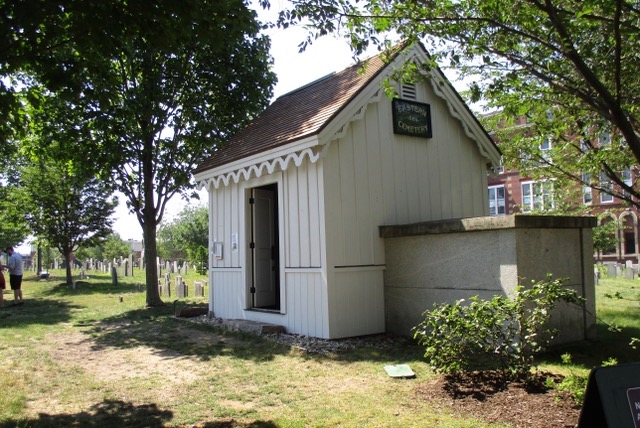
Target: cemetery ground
x,y
82,357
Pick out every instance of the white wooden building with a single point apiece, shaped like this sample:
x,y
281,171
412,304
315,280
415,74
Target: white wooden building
x,y
297,197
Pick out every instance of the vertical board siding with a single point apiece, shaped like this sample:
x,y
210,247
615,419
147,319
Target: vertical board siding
x,y
292,221
235,220
304,223
228,294
306,303
369,177
374,177
334,219
305,292
376,182
357,303
315,240
347,192
362,197
302,216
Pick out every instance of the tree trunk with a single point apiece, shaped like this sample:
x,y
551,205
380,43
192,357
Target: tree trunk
x,y
67,257
39,259
150,256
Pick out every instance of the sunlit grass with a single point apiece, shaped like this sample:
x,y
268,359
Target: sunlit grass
x,y
81,355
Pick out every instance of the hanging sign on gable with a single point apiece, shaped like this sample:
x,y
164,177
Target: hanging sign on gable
x,y
411,118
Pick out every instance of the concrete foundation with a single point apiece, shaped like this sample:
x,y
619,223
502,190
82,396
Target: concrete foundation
x,y
444,261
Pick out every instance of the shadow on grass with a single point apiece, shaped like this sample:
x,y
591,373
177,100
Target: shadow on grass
x,y
61,289
592,353
170,338
35,312
117,413
233,424
109,413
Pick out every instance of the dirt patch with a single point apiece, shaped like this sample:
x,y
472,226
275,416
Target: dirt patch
x,y
113,364
487,397
116,368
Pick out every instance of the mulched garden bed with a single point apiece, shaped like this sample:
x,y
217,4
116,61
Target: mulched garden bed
x,y
486,396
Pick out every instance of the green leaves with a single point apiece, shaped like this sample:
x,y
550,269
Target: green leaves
x,y
577,57
183,237
503,333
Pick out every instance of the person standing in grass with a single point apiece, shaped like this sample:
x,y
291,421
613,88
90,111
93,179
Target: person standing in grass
x,y
14,264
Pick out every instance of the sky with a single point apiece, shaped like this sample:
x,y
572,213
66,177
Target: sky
x,y
293,69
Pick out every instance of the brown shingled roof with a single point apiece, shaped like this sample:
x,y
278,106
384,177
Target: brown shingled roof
x,y
296,115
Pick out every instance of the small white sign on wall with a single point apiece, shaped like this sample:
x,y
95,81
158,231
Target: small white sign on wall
x,y
234,242
217,250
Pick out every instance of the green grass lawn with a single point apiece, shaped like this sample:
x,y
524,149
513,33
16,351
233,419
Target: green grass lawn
x,y
82,357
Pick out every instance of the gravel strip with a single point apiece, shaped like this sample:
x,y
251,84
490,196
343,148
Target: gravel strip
x,y
314,345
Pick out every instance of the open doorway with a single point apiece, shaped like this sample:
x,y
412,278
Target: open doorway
x,y
265,248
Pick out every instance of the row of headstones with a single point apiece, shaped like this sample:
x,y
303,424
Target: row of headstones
x,y
103,266
627,271
172,267
126,266
181,288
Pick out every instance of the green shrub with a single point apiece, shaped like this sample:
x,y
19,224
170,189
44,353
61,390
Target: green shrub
x,y
502,333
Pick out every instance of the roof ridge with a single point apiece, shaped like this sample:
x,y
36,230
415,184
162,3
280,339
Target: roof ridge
x,y
299,88
382,55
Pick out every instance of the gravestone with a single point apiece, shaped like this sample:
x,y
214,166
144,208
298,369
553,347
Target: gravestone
x,y
198,289
114,276
630,273
611,269
185,268
125,268
130,263
166,286
181,288
175,267
619,269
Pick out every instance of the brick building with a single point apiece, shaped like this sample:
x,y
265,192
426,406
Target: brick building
x,y
510,192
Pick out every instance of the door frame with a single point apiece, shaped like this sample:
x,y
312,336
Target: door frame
x,y
270,179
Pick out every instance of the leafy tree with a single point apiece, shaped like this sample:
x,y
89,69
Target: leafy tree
x,y
114,247
89,252
108,248
168,246
14,229
569,66
160,83
189,231
66,208
167,94
31,32
64,200
605,235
